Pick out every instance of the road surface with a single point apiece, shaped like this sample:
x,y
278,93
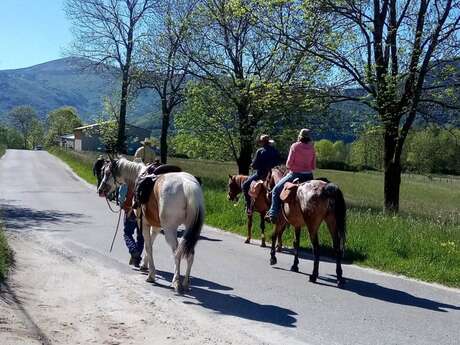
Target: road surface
x,y
233,283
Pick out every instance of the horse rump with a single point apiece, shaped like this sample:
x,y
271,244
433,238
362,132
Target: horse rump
x,y
337,205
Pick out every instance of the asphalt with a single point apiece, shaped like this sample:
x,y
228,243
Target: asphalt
x,y
233,282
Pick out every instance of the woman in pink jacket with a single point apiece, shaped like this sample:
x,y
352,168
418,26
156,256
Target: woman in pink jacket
x,y
301,163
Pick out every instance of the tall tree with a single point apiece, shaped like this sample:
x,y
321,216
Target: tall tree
x,y
233,47
61,121
163,67
108,32
402,55
23,118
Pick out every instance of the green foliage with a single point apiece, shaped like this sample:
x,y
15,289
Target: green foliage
x,y
61,121
6,255
10,138
37,133
325,150
23,118
207,126
367,150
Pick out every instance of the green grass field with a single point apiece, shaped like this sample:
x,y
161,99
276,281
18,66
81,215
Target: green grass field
x,y
422,242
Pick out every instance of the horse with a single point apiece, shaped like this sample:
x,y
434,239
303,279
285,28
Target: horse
x,y
176,199
311,203
260,199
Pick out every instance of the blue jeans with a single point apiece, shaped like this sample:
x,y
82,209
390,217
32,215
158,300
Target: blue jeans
x,y
130,225
276,192
247,185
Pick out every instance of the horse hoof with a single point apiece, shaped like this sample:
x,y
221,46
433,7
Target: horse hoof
x,y
340,283
143,268
278,249
263,245
248,240
150,279
272,261
177,287
294,268
313,279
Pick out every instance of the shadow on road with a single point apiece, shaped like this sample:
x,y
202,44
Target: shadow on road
x,y
24,218
195,281
375,291
241,307
228,304
180,232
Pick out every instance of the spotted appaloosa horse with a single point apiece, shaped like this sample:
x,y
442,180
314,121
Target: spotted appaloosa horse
x,y
260,199
309,204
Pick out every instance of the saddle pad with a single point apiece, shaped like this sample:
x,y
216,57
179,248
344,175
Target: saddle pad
x,y
289,191
255,188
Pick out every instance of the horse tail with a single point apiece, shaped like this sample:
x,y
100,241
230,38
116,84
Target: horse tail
x,y
194,219
337,205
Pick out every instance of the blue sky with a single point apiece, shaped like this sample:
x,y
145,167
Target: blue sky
x,y
32,32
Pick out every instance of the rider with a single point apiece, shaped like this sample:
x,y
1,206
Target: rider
x,y
145,152
266,158
125,198
301,162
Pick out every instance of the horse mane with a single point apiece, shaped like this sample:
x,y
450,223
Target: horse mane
x,y
128,170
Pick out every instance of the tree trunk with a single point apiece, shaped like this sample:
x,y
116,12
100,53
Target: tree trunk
x,y
121,146
246,141
392,170
164,132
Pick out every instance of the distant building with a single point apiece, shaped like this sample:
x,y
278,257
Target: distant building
x,y
67,141
87,138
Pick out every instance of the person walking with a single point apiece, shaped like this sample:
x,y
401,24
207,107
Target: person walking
x,y
301,163
265,158
125,198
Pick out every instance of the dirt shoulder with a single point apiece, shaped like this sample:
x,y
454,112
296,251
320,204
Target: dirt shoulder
x,y
56,297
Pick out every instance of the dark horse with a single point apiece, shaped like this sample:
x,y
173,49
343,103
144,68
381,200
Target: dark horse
x,y
260,199
309,204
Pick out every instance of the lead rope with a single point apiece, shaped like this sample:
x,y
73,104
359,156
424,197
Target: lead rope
x,y
110,207
116,231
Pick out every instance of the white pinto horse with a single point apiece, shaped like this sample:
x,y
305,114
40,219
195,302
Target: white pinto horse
x,y
176,199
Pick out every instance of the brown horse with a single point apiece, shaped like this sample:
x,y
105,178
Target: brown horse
x,y
260,199
309,204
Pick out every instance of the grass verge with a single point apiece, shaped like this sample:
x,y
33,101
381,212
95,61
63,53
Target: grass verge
x,y
6,255
422,242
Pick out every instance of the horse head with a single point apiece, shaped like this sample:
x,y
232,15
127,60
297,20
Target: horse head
x,y
234,187
109,178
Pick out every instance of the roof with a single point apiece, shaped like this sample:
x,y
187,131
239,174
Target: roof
x,y
98,124
68,136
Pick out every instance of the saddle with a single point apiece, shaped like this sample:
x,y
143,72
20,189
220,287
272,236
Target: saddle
x,y
146,181
289,191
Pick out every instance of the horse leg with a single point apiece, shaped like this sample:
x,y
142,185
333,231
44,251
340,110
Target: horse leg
x,y
273,251
186,281
315,245
248,239
332,226
295,265
279,246
150,233
262,229
171,239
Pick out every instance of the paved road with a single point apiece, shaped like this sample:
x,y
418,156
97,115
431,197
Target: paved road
x,y
232,280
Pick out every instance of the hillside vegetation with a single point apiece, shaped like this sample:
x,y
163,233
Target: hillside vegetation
x,y
423,242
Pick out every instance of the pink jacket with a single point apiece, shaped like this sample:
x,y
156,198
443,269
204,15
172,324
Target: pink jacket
x,y
302,157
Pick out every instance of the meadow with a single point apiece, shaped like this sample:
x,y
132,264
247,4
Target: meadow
x,y
422,242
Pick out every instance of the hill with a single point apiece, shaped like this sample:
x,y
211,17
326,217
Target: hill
x,y
67,81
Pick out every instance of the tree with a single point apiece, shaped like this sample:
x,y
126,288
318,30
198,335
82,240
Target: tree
x,y
10,137
234,47
325,150
61,121
109,32
22,118
164,68
395,53
37,133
